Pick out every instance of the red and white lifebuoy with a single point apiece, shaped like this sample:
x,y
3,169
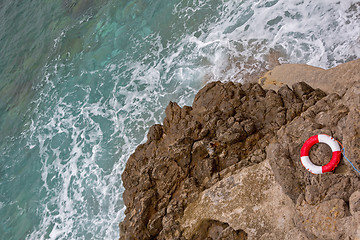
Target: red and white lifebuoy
x,y
321,138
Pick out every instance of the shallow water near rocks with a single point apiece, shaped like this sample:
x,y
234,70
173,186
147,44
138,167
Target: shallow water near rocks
x,y
81,81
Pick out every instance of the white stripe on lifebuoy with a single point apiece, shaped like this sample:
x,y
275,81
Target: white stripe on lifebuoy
x,y
315,169
329,141
336,154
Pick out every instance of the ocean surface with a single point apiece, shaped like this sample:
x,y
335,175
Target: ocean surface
x,y
81,81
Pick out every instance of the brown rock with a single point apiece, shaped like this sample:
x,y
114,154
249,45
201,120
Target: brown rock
x,y
155,132
302,90
211,229
245,202
354,202
322,221
337,79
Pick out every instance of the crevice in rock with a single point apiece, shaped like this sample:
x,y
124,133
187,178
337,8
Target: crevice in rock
x,y
215,230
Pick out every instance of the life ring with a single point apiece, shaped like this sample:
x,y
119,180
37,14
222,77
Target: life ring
x,y
335,159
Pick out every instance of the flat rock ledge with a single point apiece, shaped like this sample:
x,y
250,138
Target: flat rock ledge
x,y
229,166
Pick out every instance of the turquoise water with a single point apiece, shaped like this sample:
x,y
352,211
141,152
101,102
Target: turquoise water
x,y
81,81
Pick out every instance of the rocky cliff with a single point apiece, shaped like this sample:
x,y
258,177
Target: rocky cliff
x,y
229,166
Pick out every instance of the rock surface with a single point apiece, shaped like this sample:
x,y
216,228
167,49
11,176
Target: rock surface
x,y
336,79
229,166
232,199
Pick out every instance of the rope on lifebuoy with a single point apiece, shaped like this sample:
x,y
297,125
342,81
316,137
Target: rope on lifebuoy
x,y
335,159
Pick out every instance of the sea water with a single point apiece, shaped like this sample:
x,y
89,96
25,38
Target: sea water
x,y
81,81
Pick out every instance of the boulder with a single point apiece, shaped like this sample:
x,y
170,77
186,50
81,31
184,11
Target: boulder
x,y
245,202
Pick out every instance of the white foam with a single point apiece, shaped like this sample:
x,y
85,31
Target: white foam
x,y
303,30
